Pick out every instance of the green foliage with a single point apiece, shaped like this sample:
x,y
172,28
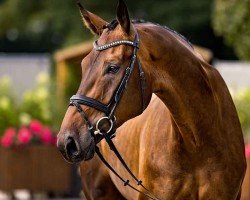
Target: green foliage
x,y
242,102
43,24
46,24
8,110
36,104
232,21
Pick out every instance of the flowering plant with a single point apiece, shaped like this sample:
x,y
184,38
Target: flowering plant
x,y
34,103
247,150
33,133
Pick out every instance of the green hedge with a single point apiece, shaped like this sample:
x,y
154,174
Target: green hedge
x,y
242,102
35,104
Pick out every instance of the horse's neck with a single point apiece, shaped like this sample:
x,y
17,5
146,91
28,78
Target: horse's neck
x,y
180,81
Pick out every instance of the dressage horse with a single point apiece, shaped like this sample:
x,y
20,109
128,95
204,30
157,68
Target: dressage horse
x,y
188,142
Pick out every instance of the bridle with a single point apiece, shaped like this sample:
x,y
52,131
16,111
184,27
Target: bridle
x,y
109,110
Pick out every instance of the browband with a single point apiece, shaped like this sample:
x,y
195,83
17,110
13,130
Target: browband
x,y
113,44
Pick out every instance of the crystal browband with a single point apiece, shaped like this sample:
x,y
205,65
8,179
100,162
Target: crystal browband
x,y
113,44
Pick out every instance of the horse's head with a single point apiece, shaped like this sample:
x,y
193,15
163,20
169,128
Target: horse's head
x,y
112,90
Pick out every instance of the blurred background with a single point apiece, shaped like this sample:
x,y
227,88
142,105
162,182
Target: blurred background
x,y
42,43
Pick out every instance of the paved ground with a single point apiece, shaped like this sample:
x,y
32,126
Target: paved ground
x,y
25,195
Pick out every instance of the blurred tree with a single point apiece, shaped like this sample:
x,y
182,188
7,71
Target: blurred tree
x,y
37,25
232,21
44,25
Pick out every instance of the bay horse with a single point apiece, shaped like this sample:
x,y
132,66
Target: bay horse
x,y
188,142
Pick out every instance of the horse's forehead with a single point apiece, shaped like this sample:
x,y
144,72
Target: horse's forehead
x,y
100,57
109,55
111,35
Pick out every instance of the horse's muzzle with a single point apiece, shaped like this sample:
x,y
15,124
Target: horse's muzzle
x,y
75,149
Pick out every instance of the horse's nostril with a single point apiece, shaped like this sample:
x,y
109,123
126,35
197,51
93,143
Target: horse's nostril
x,y
71,147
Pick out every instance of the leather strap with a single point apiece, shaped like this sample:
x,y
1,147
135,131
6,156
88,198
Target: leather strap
x,y
82,113
142,84
118,155
91,103
125,183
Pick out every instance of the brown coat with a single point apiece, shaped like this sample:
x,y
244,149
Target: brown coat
x,y
188,143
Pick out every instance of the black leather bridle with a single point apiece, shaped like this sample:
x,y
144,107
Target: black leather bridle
x,y
109,110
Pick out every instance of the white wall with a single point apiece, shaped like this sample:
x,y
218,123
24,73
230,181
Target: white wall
x,y
23,69
235,73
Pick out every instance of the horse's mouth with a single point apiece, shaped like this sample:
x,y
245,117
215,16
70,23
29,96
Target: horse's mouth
x,y
90,151
84,155
73,152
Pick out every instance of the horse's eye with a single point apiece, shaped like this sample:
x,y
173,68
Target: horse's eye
x,y
112,69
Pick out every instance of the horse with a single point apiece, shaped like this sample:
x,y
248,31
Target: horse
x,y
186,143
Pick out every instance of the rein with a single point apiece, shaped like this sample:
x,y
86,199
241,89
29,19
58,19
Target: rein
x,y
108,110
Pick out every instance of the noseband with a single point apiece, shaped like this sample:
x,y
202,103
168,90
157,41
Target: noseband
x,y
109,109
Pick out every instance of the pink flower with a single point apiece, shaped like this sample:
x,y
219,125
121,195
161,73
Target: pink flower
x,y
247,150
47,136
24,135
36,127
8,138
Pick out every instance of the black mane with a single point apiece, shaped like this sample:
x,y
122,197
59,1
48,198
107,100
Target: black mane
x,y
112,25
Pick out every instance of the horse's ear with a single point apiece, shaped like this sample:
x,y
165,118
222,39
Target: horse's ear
x,y
92,21
122,16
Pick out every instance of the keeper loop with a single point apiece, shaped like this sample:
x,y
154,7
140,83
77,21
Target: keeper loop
x,y
126,183
139,182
